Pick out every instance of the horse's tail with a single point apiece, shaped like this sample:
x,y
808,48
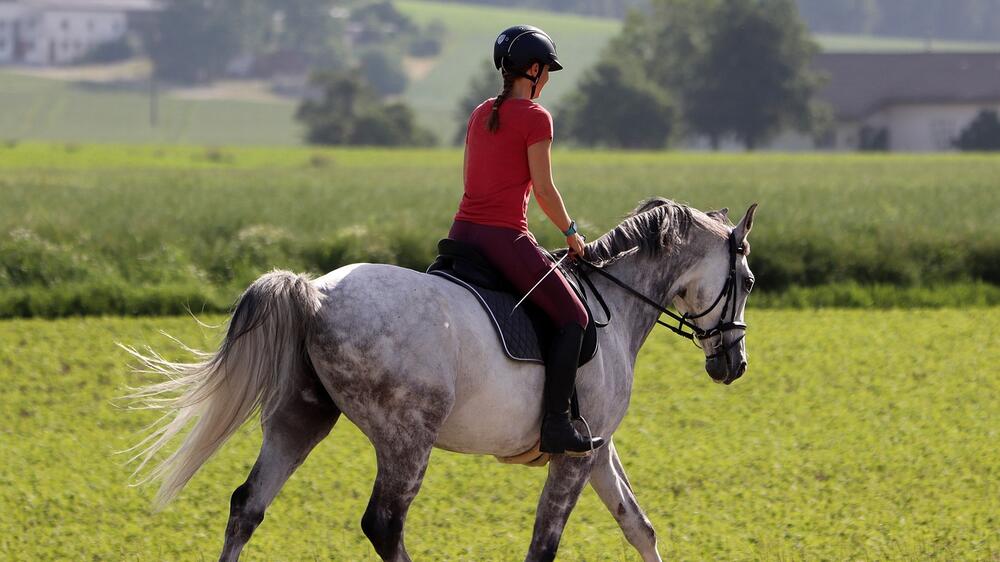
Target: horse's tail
x,y
265,342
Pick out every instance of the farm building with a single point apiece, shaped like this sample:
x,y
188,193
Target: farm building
x,y
917,102
52,32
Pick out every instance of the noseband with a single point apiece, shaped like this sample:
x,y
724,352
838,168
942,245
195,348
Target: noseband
x,y
685,320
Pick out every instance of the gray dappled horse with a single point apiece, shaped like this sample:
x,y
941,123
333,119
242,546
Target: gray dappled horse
x,y
414,362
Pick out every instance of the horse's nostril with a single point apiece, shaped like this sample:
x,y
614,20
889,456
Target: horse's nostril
x,y
742,369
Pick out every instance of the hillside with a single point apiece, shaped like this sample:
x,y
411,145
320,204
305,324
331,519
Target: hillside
x,y
42,108
58,110
471,30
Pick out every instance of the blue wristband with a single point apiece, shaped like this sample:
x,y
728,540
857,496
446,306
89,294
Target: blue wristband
x,y
571,230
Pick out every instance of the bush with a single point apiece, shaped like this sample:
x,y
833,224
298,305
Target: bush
x,y
384,72
110,51
983,133
349,113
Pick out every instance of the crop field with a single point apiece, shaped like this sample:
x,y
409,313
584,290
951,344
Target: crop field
x,y
856,435
92,229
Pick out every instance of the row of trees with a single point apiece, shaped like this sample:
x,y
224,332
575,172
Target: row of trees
x,y
944,19
199,40
717,68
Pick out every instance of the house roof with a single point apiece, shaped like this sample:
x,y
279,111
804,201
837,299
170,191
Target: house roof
x,y
860,84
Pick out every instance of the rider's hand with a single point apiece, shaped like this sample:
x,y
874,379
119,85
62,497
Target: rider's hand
x,y
575,243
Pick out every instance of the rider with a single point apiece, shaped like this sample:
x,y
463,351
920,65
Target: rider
x,y
507,153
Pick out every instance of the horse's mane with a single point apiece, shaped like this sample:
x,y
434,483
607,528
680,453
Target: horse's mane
x,y
657,225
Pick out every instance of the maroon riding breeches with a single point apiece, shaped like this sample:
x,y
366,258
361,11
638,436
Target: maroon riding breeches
x,y
518,256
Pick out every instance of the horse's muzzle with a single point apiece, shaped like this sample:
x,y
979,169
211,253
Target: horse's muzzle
x,y
723,371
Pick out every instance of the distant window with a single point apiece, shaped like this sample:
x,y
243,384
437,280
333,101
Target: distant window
x,y
90,25
3,44
65,24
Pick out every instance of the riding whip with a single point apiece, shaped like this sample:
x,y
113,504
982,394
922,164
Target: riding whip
x,y
554,266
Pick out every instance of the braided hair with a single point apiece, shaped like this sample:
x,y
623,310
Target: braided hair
x,y
508,84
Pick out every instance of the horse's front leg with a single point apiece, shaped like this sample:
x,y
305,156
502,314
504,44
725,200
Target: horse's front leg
x,y
610,482
567,477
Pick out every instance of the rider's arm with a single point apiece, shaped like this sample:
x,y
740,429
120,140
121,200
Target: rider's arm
x,y
551,203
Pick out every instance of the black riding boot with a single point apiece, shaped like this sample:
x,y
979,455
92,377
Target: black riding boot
x,y
558,434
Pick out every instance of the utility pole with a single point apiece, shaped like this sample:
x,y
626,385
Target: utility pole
x,y
154,116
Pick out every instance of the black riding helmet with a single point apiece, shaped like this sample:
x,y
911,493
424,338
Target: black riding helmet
x,y
518,47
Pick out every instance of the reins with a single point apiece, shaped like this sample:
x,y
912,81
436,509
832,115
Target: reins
x,y
683,320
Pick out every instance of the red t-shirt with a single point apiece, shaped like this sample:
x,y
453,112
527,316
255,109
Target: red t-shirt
x,y
497,177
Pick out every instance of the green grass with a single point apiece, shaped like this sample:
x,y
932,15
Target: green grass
x,y
856,435
56,110
136,230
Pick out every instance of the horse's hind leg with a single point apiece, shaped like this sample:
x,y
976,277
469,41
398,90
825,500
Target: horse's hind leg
x,y
290,433
401,466
567,476
611,484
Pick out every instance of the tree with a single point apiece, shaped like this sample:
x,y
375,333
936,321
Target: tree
x,y
484,84
348,112
194,40
383,71
617,108
754,77
983,133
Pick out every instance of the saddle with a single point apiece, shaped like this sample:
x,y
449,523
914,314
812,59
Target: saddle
x,y
525,333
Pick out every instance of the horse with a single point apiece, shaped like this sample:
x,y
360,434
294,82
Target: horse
x,y
414,362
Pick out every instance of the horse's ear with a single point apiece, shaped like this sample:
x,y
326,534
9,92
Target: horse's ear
x,y
722,215
743,229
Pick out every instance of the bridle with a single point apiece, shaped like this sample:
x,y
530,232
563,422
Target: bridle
x,y
727,320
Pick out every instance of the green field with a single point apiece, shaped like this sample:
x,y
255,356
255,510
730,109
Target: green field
x,y
151,230
856,435
47,109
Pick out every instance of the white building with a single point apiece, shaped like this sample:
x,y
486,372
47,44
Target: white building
x,y
906,101
50,32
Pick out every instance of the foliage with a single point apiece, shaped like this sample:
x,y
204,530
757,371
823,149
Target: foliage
x,y
349,113
484,84
616,107
754,77
384,71
195,39
303,26
738,68
110,52
855,435
957,19
983,133
77,226
429,42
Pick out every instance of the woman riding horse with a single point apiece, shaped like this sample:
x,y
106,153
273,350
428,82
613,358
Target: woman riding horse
x,y
507,156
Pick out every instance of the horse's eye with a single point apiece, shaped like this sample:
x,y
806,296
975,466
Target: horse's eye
x,y
748,283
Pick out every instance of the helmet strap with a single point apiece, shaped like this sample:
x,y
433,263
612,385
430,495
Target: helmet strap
x,y
534,79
